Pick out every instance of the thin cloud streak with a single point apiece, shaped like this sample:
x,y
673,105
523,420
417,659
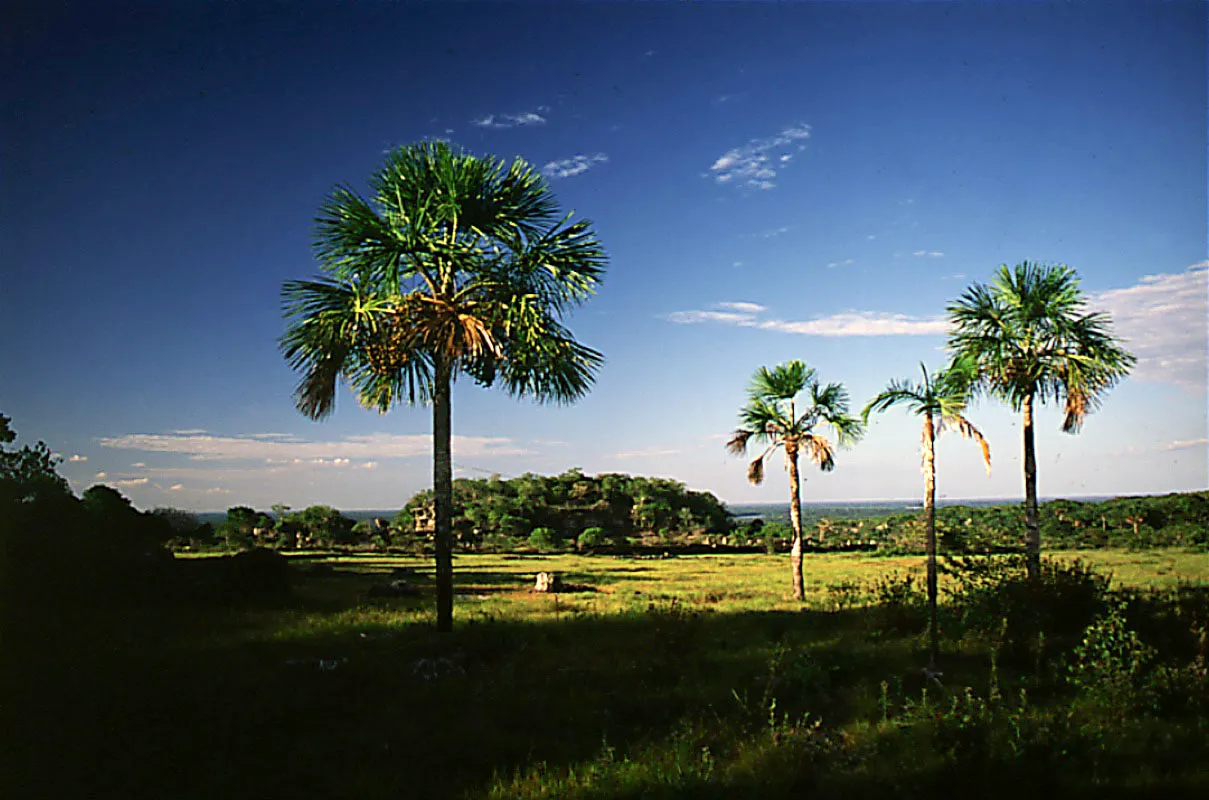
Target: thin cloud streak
x,y
575,165
375,447
845,324
503,121
1191,444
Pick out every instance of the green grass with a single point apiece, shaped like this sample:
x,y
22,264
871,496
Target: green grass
x,y
679,677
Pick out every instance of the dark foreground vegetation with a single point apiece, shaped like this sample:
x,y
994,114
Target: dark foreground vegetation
x,y
128,671
314,689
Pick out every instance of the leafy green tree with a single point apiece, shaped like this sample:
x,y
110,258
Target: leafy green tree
x,y
941,400
323,525
454,264
29,473
1032,340
773,417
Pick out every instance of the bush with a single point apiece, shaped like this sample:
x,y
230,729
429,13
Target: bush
x,y
591,537
994,595
1108,666
543,539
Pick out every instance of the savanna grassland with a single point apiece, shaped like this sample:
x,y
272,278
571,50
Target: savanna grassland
x,y
691,676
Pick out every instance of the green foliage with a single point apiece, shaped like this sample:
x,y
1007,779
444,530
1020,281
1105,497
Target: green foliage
x,y
27,474
573,503
322,526
543,539
994,597
591,537
1109,666
1173,520
676,678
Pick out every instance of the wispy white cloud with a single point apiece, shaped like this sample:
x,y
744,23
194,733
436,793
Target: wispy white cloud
x,y
520,119
775,232
77,459
844,263
568,167
743,319
176,487
849,323
100,476
131,482
1190,444
293,450
928,254
744,307
1164,319
647,452
756,164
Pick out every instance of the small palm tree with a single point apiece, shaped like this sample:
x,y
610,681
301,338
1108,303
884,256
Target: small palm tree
x,y
1031,339
774,417
454,264
941,400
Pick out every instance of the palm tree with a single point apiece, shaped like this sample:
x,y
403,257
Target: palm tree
x,y
772,417
453,264
1032,340
941,400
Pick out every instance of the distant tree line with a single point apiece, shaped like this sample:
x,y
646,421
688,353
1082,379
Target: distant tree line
x,y
1171,520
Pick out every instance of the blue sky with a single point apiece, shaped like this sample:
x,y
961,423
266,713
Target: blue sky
x,y
811,181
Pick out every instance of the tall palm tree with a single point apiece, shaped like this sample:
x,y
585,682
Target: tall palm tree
x,y
1032,339
453,264
774,417
941,400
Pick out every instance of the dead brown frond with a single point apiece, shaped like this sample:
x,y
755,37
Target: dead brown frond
x,y
966,428
421,323
1077,402
820,451
737,445
755,471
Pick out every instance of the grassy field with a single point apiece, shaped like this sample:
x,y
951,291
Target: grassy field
x,y
678,677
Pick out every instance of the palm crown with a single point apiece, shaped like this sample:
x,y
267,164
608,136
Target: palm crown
x,y
1031,335
940,398
452,258
773,416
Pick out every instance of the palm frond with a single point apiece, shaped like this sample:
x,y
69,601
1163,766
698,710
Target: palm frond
x,y
1029,335
819,450
897,392
737,444
965,428
755,471
782,382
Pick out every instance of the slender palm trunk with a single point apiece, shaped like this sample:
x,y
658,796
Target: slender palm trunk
x,y
795,520
930,529
442,489
1031,525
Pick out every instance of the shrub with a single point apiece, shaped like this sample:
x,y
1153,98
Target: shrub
x,y
995,595
543,539
1108,666
591,537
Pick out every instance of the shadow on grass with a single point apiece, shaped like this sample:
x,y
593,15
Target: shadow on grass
x,y
193,702
323,695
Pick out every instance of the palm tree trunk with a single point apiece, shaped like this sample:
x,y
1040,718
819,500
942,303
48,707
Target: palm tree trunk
x,y
930,530
795,520
1031,525
442,488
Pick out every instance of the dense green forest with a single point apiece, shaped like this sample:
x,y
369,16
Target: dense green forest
x,y
1172,520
